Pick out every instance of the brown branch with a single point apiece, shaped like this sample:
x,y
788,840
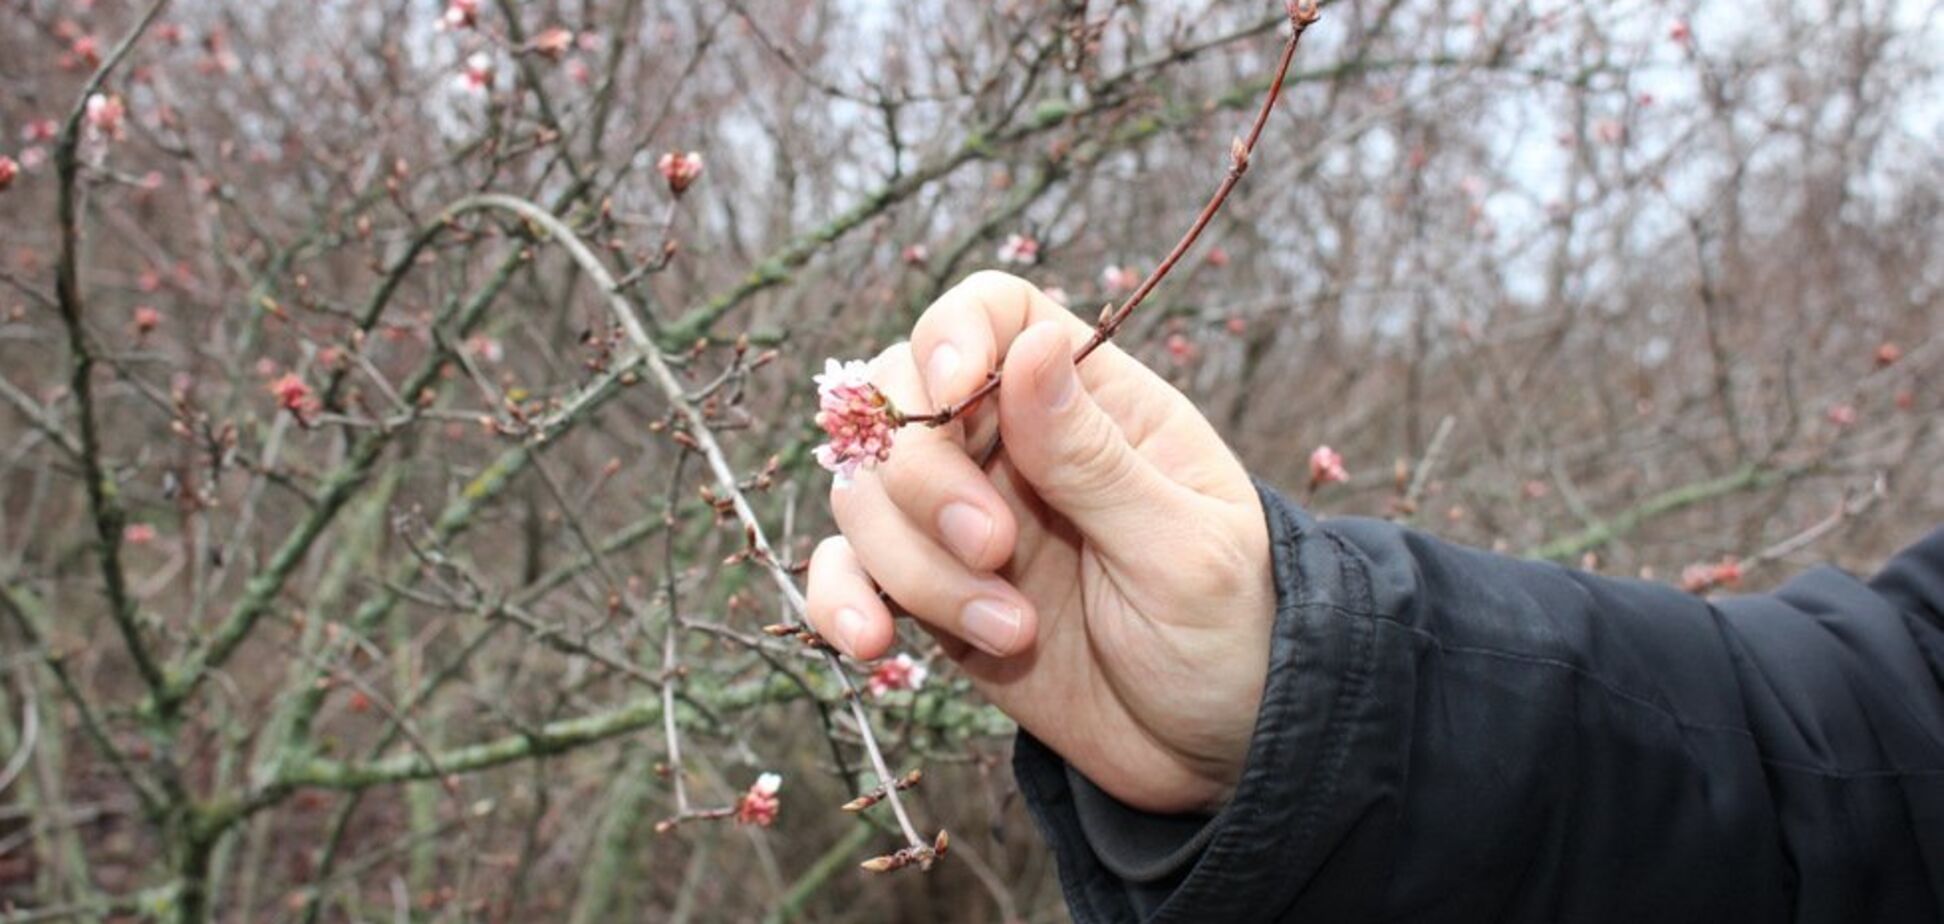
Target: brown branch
x,y
727,484
1302,13
104,499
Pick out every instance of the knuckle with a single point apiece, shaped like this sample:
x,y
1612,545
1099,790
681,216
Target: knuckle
x,y
1000,293
904,479
1097,464
993,281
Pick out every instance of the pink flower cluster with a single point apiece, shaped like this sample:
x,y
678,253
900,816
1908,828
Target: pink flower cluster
x,y
857,417
900,673
680,170
1326,467
759,805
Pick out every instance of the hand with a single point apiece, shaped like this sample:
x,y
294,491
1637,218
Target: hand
x,y
1106,583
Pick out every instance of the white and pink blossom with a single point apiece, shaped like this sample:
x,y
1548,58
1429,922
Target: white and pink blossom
x,y
460,14
857,417
900,673
105,113
477,74
759,805
680,170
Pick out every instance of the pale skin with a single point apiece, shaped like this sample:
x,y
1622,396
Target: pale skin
x,y
1105,581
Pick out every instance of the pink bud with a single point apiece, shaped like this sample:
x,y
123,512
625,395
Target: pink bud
x,y
1117,279
486,349
915,254
680,170
146,319
41,131
86,50
554,42
477,74
1326,467
294,395
1181,350
138,534
460,14
1019,249
759,805
9,168
900,673
104,115
1704,576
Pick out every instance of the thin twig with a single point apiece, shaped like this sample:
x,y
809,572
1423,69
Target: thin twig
x,y
1302,13
727,484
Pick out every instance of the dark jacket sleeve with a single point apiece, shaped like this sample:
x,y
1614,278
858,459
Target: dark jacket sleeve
x,y
1451,735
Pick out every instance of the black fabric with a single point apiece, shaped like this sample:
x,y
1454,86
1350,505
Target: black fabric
x,y
1450,735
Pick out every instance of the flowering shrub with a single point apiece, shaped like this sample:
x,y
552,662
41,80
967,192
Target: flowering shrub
x,y
409,447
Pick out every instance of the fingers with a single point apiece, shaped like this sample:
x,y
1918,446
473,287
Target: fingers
x,y
924,579
925,523
931,479
843,605
1077,458
960,338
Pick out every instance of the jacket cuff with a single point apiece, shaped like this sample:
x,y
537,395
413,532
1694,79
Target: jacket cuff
x,y
1257,854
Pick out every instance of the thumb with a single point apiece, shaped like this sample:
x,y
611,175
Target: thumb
x,y
1071,451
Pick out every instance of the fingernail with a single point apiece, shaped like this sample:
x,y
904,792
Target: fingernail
x,y
939,368
966,529
850,630
1057,385
992,625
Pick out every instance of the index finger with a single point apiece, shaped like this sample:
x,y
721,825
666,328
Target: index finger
x,y
959,339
